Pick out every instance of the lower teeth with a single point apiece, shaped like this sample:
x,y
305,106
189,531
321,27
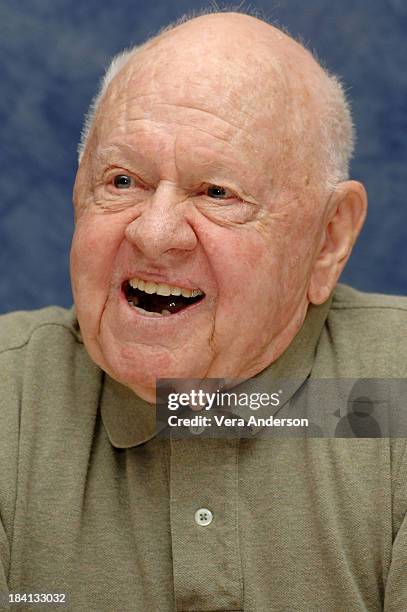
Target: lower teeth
x,y
164,312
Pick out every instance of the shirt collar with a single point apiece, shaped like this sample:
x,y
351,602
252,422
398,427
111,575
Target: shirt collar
x,y
291,369
130,420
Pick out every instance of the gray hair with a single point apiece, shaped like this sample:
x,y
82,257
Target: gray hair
x,y
117,63
337,129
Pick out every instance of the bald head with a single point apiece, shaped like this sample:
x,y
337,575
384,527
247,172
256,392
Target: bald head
x,y
295,107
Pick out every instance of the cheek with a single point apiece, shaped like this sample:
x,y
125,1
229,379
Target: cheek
x,y
94,247
259,272
240,261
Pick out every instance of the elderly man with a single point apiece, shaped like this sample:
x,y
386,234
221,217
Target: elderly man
x,y
214,216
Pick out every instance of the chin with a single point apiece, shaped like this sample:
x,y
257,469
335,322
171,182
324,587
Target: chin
x,y
140,368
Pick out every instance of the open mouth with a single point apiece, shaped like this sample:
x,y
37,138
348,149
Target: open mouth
x,y
159,299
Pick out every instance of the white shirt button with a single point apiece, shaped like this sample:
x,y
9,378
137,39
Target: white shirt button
x,y
203,517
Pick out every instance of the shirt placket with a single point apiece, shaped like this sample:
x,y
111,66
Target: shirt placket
x,y
204,524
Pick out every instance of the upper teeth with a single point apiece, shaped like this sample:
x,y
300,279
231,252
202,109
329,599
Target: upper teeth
x,y
163,288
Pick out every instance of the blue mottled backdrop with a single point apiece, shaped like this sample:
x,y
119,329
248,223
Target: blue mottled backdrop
x,y
52,55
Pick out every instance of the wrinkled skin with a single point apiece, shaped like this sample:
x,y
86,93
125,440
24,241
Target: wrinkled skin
x,y
184,114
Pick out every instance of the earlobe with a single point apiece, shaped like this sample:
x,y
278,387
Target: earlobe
x,y
344,218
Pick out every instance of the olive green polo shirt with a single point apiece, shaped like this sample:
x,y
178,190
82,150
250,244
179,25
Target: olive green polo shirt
x,y
95,505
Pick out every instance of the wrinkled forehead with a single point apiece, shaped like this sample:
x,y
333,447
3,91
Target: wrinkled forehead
x,y
250,90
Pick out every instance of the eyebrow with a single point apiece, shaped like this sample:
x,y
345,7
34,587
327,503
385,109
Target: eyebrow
x,y
122,155
128,154
119,151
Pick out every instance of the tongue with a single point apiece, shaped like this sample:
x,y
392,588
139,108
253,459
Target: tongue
x,y
158,303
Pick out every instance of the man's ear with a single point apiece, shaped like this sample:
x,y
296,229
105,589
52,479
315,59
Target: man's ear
x,y
346,213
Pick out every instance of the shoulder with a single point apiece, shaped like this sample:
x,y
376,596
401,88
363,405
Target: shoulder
x,y
38,347
17,329
346,298
364,334
49,390
368,315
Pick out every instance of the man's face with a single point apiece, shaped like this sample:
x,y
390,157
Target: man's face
x,y
183,187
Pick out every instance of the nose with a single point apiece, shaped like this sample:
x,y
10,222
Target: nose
x,y
162,225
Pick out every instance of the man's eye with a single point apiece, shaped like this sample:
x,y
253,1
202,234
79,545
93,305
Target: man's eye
x,y
220,193
123,181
